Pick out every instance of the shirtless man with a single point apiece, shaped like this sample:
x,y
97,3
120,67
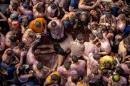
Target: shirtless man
x,y
54,11
78,65
28,37
2,42
77,46
25,9
105,45
60,39
65,71
90,48
40,72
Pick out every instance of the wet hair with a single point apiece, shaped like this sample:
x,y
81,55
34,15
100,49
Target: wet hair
x,y
53,24
67,64
31,34
80,37
96,56
74,59
39,8
114,62
107,65
39,66
38,24
55,77
21,45
53,6
15,6
13,38
75,78
119,70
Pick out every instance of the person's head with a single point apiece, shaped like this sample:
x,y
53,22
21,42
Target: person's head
x,y
53,24
115,77
51,10
13,39
119,70
14,16
39,66
26,5
75,78
39,7
96,82
56,28
107,65
67,65
31,34
38,24
126,43
21,45
66,23
75,59
96,56
108,12
55,77
80,38
122,18
9,52
83,16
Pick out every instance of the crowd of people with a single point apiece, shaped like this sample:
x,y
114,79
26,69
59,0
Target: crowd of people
x,y
65,43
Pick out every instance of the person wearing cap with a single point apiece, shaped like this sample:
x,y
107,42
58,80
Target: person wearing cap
x,y
38,25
